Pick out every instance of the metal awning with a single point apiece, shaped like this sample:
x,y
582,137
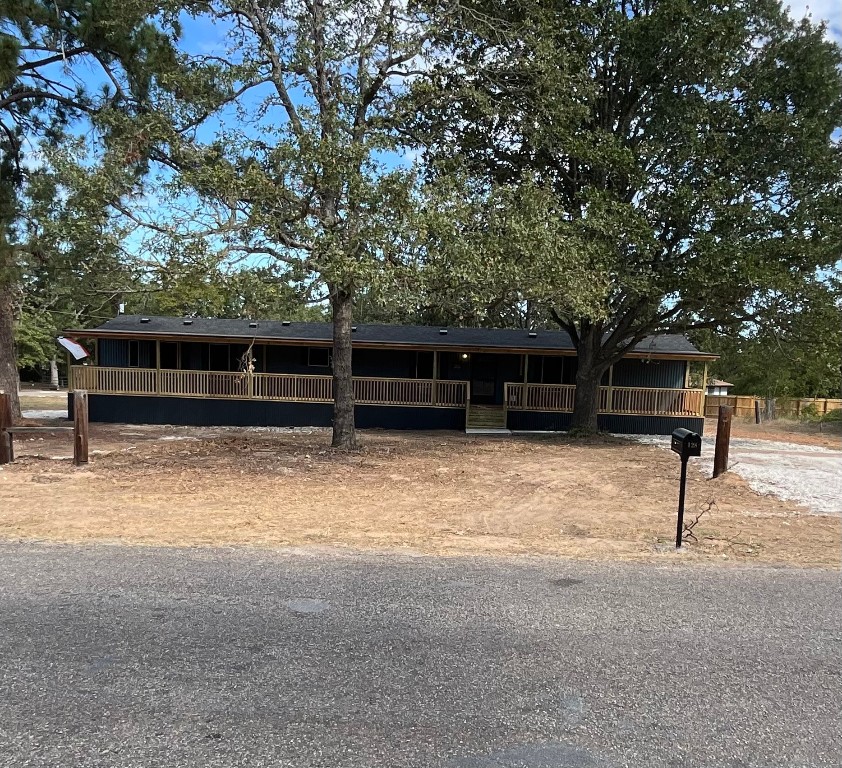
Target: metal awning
x,y
74,347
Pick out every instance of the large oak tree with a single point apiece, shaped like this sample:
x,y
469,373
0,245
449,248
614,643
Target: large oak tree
x,y
689,148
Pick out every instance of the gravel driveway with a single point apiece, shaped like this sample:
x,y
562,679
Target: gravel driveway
x,y
805,474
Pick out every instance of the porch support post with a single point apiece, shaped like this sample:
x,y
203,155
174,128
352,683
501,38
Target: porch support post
x,y
435,376
704,390
609,405
525,367
157,366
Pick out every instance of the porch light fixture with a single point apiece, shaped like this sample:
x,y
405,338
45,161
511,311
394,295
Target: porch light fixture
x,y
252,325
284,322
144,319
533,335
353,329
442,331
464,355
188,321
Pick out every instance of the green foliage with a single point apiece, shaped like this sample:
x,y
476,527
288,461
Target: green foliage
x,y
67,68
489,250
205,286
302,179
793,347
811,414
688,147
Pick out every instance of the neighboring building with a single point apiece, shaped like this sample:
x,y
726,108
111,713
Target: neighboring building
x,y
167,370
719,387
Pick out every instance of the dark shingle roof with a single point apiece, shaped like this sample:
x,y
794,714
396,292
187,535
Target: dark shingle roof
x,y
386,335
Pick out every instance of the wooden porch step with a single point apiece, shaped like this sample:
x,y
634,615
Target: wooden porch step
x,y
486,417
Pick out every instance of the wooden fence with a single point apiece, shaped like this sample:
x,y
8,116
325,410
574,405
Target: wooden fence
x,y
783,407
743,405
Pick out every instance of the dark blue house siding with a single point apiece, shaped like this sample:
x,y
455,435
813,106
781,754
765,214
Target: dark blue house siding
x,y
205,412
208,412
649,373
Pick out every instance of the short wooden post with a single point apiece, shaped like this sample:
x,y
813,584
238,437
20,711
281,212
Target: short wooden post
x,y
5,423
80,427
723,440
756,411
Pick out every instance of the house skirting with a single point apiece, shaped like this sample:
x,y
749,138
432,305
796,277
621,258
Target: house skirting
x,y
208,412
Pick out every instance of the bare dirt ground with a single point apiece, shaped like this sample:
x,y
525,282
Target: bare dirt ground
x,y
432,492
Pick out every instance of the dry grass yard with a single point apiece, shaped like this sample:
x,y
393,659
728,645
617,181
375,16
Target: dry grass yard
x,y
433,492
786,430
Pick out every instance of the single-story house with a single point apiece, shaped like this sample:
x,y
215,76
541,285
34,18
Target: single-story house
x,y
717,387
171,370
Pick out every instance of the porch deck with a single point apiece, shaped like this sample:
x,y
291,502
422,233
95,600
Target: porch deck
x,y
420,393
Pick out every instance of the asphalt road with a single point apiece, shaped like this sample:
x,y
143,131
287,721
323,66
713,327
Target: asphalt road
x,y
114,656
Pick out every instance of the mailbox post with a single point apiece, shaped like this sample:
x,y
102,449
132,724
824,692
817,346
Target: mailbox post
x,y
686,444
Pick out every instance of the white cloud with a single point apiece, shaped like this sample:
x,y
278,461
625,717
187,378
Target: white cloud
x,y
829,11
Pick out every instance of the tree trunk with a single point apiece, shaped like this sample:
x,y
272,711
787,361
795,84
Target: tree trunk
x,y
344,432
586,401
9,379
53,373
591,366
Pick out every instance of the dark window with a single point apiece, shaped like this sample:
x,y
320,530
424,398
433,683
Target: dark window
x,y
318,357
568,374
424,365
552,370
194,356
549,369
219,357
535,369
134,354
169,355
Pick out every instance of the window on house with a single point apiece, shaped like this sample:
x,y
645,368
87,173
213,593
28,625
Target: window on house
x,y
552,370
219,357
318,357
134,354
169,355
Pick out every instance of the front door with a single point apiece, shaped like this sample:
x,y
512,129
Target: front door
x,y
484,383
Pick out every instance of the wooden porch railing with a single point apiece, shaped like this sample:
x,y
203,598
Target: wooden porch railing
x,y
540,397
265,386
668,402
643,401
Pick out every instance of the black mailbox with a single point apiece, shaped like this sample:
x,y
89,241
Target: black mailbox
x,y
686,443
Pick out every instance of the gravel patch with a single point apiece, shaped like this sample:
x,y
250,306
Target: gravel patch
x,y
45,414
806,474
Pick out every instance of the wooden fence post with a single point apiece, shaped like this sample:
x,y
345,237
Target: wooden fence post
x,y
80,427
756,411
5,422
723,441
